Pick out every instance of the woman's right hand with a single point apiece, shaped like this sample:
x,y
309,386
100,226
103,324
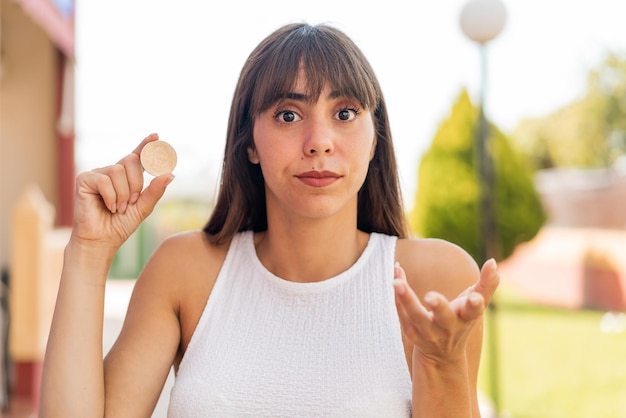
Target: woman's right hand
x,y
110,202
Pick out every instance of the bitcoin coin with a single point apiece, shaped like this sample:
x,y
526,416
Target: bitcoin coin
x,y
158,157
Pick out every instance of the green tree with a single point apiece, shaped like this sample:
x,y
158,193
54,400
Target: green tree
x,y
590,132
605,107
448,196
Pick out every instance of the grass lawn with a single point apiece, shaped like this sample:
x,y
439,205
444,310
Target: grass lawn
x,y
555,362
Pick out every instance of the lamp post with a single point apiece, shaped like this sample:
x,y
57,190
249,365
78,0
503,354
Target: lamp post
x,y
481,21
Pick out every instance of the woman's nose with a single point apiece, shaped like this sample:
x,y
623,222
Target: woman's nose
x,y
319,139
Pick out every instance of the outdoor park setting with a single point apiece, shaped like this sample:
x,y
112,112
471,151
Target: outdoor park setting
x,y
489,160
556,362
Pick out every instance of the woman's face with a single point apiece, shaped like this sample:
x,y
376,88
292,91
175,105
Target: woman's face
x,y
314,154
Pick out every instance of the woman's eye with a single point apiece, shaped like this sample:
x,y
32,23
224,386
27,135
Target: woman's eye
x,y
347,114
287,116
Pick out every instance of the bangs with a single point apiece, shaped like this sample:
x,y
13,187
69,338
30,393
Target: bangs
x,y
325,55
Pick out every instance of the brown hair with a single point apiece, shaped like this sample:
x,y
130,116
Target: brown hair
x,y
326,55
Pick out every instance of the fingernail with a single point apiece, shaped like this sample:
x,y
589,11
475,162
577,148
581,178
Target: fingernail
x,y
113,207
396,269
133,198
399,285
430,299
122,207
169,180
474,299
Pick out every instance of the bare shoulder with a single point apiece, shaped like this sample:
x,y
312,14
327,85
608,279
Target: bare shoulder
x,y
435,264
186,251
180,260
185,261
178,250
183,270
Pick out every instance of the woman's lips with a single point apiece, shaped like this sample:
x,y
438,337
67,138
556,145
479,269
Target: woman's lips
x,y
318,178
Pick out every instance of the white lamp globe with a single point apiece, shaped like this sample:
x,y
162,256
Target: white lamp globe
x,y
482,20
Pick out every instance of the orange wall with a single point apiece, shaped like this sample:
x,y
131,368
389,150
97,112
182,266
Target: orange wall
x,y
27,114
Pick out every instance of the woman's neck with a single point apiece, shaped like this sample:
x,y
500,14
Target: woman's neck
x,y
310,251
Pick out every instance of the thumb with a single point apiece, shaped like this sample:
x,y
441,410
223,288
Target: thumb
x,y
489,280
151,195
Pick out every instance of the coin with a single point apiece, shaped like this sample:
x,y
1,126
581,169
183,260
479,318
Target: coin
x,y
158,157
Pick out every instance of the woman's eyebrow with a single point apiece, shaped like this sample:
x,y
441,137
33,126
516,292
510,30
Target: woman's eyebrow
x,y
305,98
334,94
301,97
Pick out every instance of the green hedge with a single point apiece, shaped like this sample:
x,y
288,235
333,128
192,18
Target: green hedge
x,y
447,199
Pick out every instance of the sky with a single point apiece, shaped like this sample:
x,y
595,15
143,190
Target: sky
x,y
171,67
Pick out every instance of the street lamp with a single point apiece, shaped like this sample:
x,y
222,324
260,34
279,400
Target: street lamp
x,y
481,21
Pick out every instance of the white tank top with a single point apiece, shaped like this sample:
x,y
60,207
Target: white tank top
x,y
267,347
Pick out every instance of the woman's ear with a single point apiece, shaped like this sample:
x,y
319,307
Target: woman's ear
x,y
252,155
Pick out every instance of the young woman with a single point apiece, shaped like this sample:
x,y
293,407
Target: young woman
x,y
303,295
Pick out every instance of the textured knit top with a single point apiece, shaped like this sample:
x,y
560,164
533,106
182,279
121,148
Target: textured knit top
x,y
268,347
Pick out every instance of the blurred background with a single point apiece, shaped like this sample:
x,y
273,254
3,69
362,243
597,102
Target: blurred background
x,y
509,122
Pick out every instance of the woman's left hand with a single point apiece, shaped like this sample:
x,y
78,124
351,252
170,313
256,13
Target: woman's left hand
x,y
439,328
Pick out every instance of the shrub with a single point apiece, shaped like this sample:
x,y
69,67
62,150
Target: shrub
x,y
447,202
